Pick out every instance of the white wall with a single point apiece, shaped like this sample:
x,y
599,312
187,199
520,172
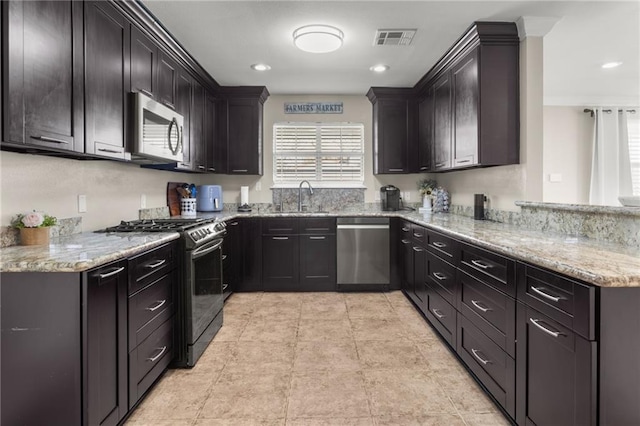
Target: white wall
x,y
567,152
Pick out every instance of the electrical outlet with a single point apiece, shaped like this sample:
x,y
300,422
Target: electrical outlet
x,y
376,196
407,196
82,203
143,201
258,186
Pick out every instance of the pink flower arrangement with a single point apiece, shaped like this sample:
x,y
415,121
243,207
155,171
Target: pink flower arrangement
x,y
33,220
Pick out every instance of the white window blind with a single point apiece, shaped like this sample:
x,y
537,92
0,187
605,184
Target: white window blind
x,y
320,152
633,124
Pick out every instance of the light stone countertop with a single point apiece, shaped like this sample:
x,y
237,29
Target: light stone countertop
x,y
595,262
80,252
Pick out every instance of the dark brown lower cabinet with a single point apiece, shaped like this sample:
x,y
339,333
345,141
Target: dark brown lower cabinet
x,y
318,262
280,259
557,371
440,314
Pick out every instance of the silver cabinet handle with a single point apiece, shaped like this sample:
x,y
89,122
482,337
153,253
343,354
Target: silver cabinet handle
x,y
155,308
480,264
186,164
437,313
405,229
211,169
240,171
111,151
536,322
48,139
482,360
155,358
112,273
417,235
224,286
224,256
168,105
155,265
438,244
423,168
201,167
463,161
440,164
546,295
279,238
146,92
418,249
396,170
439,276
479,306
405,241
234,223
317,238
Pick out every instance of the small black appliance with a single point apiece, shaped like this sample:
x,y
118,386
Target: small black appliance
x,y
390,197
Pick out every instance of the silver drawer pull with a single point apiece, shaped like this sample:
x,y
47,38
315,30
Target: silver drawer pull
x,y
155,308
240,171
479,306
405,241
424,168
439,276
211,169
437,313
48,139
482,360
546,295
110,151
405,229
536,322
155,358
317,238
112,273
234,223
224,256
396,170
438,244
225,286
279,238
418,249
463,161
440,164
417,235
201,167
480,264
155,265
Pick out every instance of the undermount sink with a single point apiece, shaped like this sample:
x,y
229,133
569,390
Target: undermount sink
x,y
303,212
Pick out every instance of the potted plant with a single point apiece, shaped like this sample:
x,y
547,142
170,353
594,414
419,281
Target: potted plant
x,y
34,227
427,189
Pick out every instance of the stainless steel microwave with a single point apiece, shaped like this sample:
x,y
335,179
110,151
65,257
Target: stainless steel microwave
x,y
157,130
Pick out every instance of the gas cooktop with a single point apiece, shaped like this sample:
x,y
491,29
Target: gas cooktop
x,y
156,225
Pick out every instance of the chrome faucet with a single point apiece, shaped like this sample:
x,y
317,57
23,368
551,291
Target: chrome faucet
x,y
300,193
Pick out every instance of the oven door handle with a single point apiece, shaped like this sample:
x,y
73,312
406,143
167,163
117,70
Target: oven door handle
x,y
204,250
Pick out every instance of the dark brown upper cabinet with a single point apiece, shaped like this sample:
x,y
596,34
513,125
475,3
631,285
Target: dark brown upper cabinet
x,y
144,59
108,80
184,90
197,136
425,132
241,129
167,79
210,133
393,145
43,72
442,123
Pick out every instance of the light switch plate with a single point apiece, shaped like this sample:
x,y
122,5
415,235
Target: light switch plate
x,y
258,186
143,201
82,203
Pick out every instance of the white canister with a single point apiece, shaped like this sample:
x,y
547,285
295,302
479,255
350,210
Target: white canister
x,y
188,207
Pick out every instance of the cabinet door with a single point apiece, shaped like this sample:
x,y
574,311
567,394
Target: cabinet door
x,y
144,57
425,132
465,110
406,266
556,372
419,277
184,90
251,274
318,262
393,134
232,256
167,79
108,79
106,344
442,123
280,257
42,51
244,136
197,128
210,133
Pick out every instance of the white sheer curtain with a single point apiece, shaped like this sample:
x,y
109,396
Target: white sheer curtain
x,y
610,166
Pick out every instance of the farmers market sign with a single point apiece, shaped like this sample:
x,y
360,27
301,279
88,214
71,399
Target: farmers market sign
x,y
313,107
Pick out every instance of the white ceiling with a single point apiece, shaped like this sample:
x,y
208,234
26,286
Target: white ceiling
x,y
226,37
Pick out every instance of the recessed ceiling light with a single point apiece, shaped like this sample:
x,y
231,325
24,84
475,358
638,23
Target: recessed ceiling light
x,y
318,38
379,68
611,65
260,67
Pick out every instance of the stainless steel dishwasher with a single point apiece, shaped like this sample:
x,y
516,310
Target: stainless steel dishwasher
x,y
363,253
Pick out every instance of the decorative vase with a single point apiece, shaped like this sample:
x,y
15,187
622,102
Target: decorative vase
x,y
34,236
426,203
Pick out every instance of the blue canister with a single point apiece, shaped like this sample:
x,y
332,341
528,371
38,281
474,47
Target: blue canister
x,y
209,198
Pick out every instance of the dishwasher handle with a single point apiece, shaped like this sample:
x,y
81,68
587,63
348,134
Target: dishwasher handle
x,y
345,226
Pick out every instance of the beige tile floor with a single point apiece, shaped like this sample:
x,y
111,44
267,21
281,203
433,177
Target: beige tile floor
x,y
312,359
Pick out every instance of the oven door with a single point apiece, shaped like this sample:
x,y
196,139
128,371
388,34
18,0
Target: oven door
x,y
204,298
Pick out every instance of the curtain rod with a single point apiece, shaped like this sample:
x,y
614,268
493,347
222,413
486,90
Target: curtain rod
x,y
608,111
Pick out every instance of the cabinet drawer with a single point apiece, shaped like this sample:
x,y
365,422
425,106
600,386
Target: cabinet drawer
x,y
149,308
280,225
442,277
318,225
441,314
149,266
149,360
491,268
491,365
444,247
418,234
570,303
405,230
491,311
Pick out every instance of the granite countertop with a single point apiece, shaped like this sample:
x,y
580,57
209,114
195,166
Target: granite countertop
x,y
596,262
79,252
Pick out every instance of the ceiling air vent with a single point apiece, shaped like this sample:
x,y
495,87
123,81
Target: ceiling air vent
x,y
394,37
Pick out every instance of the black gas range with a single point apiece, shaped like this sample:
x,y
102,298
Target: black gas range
x,y
200,290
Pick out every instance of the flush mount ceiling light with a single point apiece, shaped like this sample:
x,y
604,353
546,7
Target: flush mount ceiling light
x,y
379,68
260,67
611,65
318,38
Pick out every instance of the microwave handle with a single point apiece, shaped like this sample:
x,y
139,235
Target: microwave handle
x,y
174,150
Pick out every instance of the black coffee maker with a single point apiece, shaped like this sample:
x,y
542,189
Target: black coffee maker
x,y
390,197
